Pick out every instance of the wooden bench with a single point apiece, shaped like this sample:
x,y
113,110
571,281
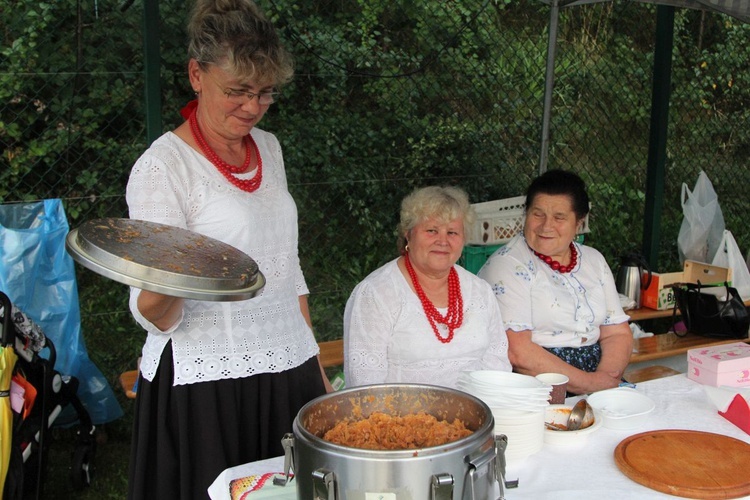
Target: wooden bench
x,y
331,354
127,382
657,347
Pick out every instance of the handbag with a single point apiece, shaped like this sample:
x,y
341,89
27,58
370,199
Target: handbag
x,y
707,315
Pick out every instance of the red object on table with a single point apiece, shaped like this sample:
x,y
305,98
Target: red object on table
x,y
738,413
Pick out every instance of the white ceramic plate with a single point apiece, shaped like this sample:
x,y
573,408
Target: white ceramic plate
x,y
622,408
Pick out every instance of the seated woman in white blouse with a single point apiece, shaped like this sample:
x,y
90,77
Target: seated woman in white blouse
x,y
421,318
558,298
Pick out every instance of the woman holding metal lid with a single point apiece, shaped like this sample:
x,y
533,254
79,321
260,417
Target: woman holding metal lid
x,y
421,318
221,382
558,298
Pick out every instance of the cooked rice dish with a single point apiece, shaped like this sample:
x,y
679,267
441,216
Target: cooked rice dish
x,y
380,431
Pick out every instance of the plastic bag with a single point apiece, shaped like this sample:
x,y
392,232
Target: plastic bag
x,y
38,276
729,255
703,224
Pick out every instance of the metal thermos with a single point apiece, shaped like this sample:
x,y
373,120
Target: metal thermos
x,y
471,468
630,277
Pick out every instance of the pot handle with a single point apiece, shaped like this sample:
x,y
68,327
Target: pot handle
x,y
288,443
493,462
442,486
324,485
501,443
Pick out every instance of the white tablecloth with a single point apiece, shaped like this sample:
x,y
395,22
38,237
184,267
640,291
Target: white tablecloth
x,y
575,471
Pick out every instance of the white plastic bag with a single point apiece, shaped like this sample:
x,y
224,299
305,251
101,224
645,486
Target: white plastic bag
x,y
729,255
703,224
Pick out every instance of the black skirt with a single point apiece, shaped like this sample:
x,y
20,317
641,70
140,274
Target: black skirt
x,y
184,436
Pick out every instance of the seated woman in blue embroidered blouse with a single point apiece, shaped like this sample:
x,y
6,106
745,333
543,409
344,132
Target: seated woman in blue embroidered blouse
x,y
558,298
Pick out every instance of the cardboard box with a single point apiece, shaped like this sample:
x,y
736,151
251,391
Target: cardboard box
x,y
659,293
727,364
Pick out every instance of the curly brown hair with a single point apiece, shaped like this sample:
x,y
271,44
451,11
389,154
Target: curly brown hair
x,y
236,36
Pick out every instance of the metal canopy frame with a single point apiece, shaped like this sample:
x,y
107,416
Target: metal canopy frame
x,y
660,95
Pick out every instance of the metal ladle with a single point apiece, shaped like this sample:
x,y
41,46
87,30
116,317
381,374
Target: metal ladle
x,y
581,416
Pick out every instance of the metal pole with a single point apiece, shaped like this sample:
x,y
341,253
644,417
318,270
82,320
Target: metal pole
x,y
657,147
549,83
151,66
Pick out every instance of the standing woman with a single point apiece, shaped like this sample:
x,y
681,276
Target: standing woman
x,y
221,382
558,298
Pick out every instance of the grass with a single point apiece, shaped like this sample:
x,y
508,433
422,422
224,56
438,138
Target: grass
x,y
110,474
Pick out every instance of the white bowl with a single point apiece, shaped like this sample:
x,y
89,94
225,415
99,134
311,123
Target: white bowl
x,y
558,415
505,380
622,408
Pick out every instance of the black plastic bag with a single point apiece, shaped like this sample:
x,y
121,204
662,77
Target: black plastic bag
x,y
707,315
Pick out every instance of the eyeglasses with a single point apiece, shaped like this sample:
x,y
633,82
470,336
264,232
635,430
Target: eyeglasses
x,y
237,96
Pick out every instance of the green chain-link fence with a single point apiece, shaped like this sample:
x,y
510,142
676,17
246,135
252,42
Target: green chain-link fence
x,y
389,95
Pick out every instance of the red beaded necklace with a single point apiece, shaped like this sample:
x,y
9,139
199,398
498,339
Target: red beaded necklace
x,y
556,265
455,315
225,168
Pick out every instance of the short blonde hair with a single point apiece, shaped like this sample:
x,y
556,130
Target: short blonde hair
x,y
443,203
236,36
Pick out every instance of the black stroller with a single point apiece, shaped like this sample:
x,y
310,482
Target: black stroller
x,y
54,392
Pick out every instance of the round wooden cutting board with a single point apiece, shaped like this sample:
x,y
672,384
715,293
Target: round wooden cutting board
x,y
686,463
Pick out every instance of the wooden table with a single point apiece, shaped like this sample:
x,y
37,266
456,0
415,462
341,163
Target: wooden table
x,y
644,313
662,346
666,345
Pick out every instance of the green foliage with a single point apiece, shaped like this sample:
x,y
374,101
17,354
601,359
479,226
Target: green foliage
x,y
388,96
54,145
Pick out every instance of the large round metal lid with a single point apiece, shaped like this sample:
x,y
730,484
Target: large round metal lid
x,y
165,259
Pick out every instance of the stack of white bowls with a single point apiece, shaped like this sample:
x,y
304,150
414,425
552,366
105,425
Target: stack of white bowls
x,y
518,403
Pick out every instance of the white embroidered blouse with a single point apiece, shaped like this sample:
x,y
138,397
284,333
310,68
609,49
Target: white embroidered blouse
x,y
560,309
173,184
388,339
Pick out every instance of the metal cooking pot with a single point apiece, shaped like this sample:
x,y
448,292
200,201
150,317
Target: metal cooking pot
x,y
470,468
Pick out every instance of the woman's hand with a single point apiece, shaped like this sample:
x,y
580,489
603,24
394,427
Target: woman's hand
x,y
163,311
600,380
531,359
326,382
305,309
